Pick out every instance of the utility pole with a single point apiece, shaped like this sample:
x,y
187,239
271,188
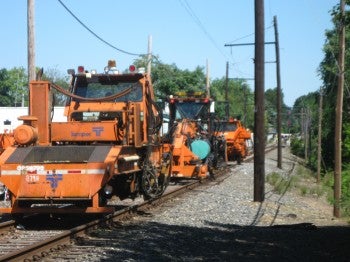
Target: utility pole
x,y
339,115
319,147
279,96
259,124
227,109
305,124
259,127
207,80
307,133
244,103
31,42
149,55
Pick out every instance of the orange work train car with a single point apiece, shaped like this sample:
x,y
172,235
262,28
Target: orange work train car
x,y
109,145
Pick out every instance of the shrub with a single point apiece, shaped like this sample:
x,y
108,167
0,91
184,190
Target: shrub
x,y
297,147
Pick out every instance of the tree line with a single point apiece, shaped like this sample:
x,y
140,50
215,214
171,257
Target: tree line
x,y
307,107
167,79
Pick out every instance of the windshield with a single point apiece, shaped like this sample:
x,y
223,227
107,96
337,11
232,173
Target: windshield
x,y
95,88
191,110
225,126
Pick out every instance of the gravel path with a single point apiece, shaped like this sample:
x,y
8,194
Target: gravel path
x,y
222,223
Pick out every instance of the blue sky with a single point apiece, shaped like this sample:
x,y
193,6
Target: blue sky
x,y
184,32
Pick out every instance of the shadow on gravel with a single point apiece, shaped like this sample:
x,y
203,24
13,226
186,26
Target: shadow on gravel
x,y
221,242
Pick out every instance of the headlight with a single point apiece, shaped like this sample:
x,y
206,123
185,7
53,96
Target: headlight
x,y
108,189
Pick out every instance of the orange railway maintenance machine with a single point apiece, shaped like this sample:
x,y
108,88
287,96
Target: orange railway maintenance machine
x,y
189,135
109,146
234,138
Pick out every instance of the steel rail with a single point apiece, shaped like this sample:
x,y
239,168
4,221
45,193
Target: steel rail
x,y
40,250
6,226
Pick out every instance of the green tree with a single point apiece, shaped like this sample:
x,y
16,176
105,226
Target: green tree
x,y
240,100
271,111
328,71
55,76
5,99
168,79
305,124
13,86
271,107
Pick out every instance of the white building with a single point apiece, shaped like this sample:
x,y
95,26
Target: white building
x,y
9,117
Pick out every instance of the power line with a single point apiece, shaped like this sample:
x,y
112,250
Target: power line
x,y
246,36
243,37
346,84
231,44
94,34
195,18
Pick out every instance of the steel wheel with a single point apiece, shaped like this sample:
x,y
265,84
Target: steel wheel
x,y
151,187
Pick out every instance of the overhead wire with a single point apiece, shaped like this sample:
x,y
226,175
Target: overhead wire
x,y
236,64
94,34
195,18
246,36
346,84
336,74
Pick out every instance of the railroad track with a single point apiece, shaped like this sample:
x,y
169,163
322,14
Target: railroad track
x,y
34,245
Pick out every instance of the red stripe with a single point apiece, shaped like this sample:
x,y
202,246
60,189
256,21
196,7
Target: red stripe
x,y
74,171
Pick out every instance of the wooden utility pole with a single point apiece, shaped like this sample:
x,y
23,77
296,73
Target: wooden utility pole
x,y
259,126
31,42
305,124
319,139
207,85
339,115
244,103
227,109
307,133
149,55
279,96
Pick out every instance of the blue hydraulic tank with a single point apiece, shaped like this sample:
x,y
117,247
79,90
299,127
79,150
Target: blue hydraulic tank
x,y
200,148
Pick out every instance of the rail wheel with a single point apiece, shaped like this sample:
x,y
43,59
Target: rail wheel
x,y
239,159
225,152
152,184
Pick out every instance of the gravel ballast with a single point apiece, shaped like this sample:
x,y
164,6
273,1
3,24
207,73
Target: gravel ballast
x,y
222,223
219,221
